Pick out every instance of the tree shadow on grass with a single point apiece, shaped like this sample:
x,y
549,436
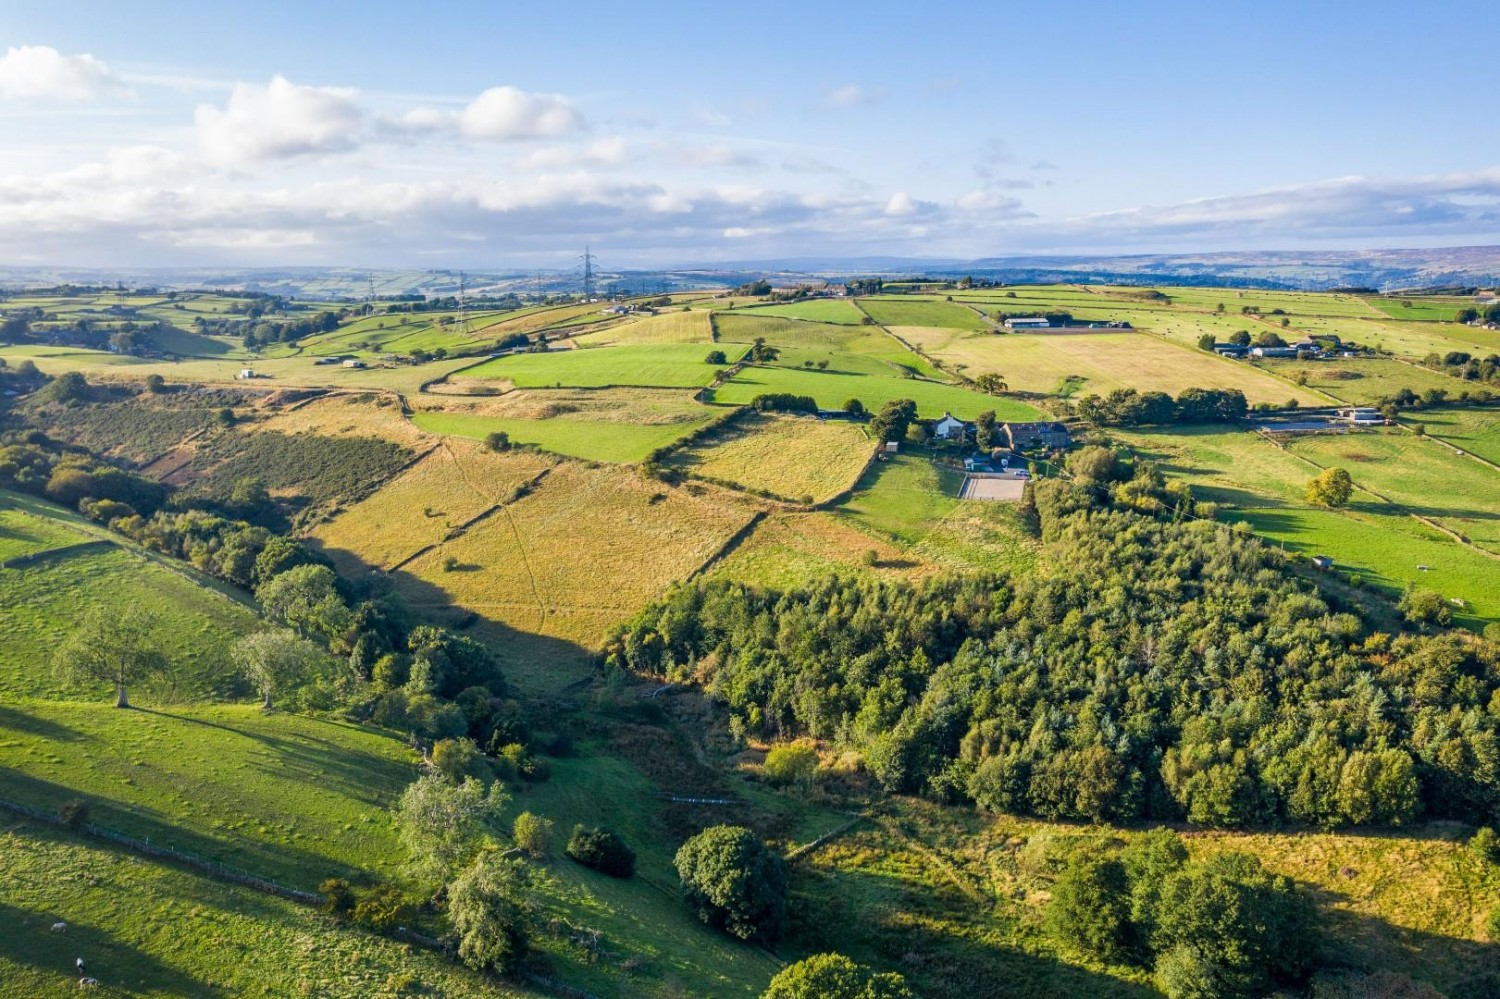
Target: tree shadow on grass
x,y
20,721
287,865
28,941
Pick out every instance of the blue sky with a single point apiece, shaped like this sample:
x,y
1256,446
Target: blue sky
x,y
489,135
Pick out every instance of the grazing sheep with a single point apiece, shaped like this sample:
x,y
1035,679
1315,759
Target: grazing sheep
x,y
88,983
59,927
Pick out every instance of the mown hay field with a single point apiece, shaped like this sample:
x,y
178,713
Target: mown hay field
x,y
582,552
668,327
818,310
799,458
1045,363
831,389
450,486
653,365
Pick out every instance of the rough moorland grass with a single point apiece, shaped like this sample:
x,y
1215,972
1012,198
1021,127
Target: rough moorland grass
x,y
282,795
831,389
136,430
358,414
1264,485
595,440
668,327
668,365
1362,381
921,312
1421,476
787,550
1040,362
153,930
790,456
451,485
1475,430
824,310
586,549
913,502
194,621
311,466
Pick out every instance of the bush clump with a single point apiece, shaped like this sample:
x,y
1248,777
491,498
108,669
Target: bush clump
x,y
603,850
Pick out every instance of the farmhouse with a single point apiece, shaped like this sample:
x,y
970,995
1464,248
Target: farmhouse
x,y
1027,323
949,427
1026,436
246,373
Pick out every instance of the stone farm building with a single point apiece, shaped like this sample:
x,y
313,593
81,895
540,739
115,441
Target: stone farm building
x,y
1026,436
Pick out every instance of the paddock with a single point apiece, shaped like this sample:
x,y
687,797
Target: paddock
x,y
1004,488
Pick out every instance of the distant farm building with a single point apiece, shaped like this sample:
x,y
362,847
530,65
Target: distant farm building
x,y
1230,350
1027,436
1273,351
949,427
354,362
1362,416
246,373
1028,323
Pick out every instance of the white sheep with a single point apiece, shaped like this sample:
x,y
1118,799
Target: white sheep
x,y
59,927
88,983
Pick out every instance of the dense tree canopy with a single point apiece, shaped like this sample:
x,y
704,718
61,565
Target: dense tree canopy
x,y
734,882
1161,670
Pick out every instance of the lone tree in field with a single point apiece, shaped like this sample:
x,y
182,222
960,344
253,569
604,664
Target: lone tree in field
x,y
990,383
485,904
110,647
1330,487
442,824
834,976
275,661
734,882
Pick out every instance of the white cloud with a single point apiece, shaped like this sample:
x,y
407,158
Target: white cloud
x,y
279,121
853,95
507,113
900,203
607,152
32,71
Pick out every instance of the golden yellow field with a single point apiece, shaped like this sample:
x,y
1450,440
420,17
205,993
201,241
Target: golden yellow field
x,y
363,414
668,327
799,458
1044,362
788,549
586,549
454,483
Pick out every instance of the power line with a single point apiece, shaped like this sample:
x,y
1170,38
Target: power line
x,y
588,274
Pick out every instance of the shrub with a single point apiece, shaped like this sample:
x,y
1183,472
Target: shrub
x,y
1485,845
1090,907
382,908
793,765
338,897
455,758
603,850
716,357
74,814
734,882
497,440
533,834
834,976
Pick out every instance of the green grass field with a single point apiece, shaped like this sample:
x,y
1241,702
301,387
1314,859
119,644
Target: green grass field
x,y
655,365
595,440
194,618
904,311
668,327
1264,485
1475,430
842,346
1361,381
831,389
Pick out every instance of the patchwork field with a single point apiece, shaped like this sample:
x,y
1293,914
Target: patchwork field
x,y
654,365
798,458
1097,363
452,485
790,549
832,388
620,425
841,345
525,570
